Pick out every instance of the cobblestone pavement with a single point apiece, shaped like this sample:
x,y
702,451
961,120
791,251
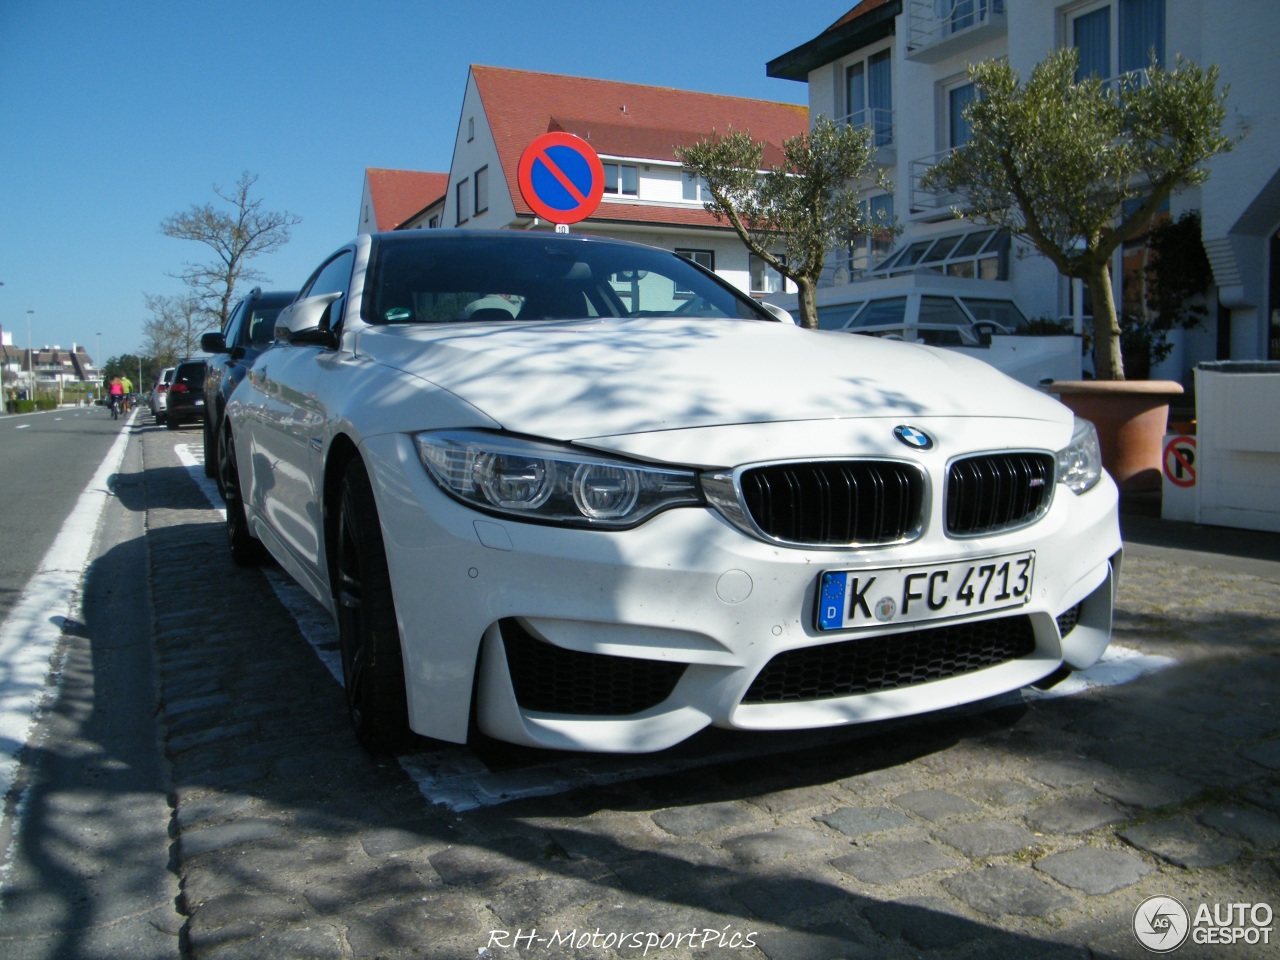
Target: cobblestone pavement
x,y
1025,829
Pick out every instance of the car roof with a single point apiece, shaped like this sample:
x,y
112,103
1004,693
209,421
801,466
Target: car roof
x,y
516,236
272,297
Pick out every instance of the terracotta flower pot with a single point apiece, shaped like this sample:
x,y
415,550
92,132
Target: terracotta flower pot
x,y
1131,417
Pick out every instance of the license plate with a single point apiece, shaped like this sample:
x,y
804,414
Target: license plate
x,y
848,599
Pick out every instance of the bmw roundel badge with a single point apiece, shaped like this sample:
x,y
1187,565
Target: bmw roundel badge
x,y
913,437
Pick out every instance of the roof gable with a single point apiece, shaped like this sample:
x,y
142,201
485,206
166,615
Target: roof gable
x,y
398,194
619,119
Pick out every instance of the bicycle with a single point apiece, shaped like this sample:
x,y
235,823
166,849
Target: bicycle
x,y
115,406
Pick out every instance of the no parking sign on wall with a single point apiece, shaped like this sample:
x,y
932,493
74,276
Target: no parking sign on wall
x,y
1180,492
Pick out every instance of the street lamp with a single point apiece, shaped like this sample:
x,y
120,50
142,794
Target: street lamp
x,y
31,359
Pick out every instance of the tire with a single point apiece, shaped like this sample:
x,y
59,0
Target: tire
x,y
172,424
246,549
210,453
372,665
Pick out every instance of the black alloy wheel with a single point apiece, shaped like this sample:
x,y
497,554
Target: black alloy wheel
x,y
246,549
372,665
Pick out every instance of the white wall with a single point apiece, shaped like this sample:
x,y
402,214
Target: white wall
x,y
474,149
367,222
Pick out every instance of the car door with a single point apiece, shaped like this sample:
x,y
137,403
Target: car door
x,y
287,430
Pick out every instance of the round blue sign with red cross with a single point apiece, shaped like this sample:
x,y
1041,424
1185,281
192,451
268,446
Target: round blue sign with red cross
x,y
561,178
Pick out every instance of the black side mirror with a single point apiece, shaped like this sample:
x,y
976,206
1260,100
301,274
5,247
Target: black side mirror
x,y
213,342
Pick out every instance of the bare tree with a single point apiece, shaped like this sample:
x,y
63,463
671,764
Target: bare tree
x,y
235,236
174,327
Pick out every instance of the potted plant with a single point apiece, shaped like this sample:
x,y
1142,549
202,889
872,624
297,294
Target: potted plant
x,y
1074,167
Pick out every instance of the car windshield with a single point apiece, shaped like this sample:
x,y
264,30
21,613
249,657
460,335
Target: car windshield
x,y
438,279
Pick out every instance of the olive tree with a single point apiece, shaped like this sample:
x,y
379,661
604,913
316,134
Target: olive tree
x,y
806,206
1075,166
236,236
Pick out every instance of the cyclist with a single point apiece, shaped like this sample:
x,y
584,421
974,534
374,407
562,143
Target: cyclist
x,y
128,393
116,391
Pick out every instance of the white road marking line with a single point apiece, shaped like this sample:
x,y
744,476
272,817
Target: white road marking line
x,y
30,635
459,780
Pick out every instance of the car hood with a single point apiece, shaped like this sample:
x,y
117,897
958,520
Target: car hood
x,y
578,380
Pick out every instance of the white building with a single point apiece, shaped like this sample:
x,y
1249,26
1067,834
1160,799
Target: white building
x,y
634,129
899,67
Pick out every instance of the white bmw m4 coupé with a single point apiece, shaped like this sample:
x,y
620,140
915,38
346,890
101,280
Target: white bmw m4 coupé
x,y
582,494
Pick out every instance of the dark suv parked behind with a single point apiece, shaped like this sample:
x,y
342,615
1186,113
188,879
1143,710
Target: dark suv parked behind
x,y
249,330
186,395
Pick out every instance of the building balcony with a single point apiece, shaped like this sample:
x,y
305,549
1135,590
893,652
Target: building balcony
x,y
930,205
880,122
942,28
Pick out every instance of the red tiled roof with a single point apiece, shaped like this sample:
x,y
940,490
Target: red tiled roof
x,y
657,213
398,194
866,6
622,120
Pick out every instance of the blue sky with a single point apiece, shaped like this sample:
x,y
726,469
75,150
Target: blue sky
x,y
115,114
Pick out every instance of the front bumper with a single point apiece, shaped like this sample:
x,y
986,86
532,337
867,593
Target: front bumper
x,y
689,611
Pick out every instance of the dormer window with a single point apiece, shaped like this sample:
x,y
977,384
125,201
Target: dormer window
x,y
621,180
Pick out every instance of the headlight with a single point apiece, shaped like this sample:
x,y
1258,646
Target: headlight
x,y
546,482
1080,463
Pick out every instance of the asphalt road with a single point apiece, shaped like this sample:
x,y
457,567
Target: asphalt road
x,y
193,791
45,461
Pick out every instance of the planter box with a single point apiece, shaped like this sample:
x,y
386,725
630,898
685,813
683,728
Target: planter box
x,y
1131,417
1238,436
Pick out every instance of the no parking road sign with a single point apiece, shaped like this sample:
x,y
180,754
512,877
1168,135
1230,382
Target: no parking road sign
x,y
561,178
1180,461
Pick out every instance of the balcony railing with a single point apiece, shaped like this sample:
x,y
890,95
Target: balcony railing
x,y
931,201
878,119
839,269
938,28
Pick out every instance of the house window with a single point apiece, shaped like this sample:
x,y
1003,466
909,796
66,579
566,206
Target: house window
x,y
958,15
1134,258
869,96
764,278
471,129
1118,37
462,197
869,248
482,190
695,189
979,254
621,180
434,223
706,258
959,130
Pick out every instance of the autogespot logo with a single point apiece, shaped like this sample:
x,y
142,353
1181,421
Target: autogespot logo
x,y
1161,924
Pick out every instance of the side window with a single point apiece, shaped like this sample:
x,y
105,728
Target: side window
x,y
231,333
262,326
333,277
